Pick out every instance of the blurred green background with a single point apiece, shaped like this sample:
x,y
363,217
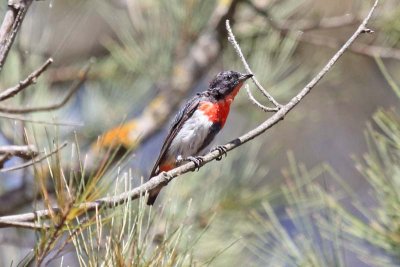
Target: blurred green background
x,y
321,188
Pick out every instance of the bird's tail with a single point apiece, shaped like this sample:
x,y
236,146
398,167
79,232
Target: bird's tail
x,y
153,195
155,191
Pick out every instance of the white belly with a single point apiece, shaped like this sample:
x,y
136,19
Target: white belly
x,y
191,137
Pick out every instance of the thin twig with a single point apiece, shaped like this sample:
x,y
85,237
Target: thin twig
x,y
258,104
34,161
31,79
163,177
232,40
71,91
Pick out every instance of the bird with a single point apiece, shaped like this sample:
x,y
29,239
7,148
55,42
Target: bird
x,y
196,124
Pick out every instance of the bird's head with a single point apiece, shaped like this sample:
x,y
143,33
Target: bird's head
x,y
227,83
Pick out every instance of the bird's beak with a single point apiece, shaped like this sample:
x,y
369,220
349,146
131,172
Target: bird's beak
x,y
245,77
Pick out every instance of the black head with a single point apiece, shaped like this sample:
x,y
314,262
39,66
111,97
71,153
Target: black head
x,y
225,82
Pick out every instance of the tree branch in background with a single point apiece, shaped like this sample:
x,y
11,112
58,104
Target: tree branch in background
x,y
306,26
163,178
31,79
71,91
24,152
13,18
322,24
357,48
35,160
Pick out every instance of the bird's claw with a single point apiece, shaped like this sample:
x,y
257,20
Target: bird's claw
x,y
198,161
167,177
222,151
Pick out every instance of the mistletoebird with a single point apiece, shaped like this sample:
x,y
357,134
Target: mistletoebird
x,y
196,125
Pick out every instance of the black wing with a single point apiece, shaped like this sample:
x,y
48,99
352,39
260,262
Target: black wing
x,y
176,126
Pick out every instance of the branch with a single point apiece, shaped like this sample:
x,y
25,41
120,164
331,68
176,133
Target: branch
x,y
255,102
305,25
31,79
232,40
12,22
326,23
357,48
24,152
164,178
34,161
71,91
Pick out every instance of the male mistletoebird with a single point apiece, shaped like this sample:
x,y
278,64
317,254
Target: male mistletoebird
x,y
196,125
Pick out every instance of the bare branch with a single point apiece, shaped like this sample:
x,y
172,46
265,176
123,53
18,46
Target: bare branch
x,y
31,79
164,178
305,24
71,91
232,39
327,23
24,152
357,48
324,23
34,161
12,22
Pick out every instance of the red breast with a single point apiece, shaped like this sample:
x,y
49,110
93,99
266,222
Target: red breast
x,y
218,112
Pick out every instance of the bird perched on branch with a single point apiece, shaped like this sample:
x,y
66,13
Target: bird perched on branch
x,y
196,125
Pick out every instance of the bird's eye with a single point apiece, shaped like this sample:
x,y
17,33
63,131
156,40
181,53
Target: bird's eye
x,y
230,77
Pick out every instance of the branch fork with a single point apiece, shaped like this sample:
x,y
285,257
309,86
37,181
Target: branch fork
x,y
232,40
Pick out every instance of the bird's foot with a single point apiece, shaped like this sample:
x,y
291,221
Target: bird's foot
x,y
197,160
222,151
167,177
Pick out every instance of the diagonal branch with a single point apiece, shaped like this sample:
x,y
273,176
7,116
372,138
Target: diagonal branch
x,y
71,91
12,21
163,178
31,79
